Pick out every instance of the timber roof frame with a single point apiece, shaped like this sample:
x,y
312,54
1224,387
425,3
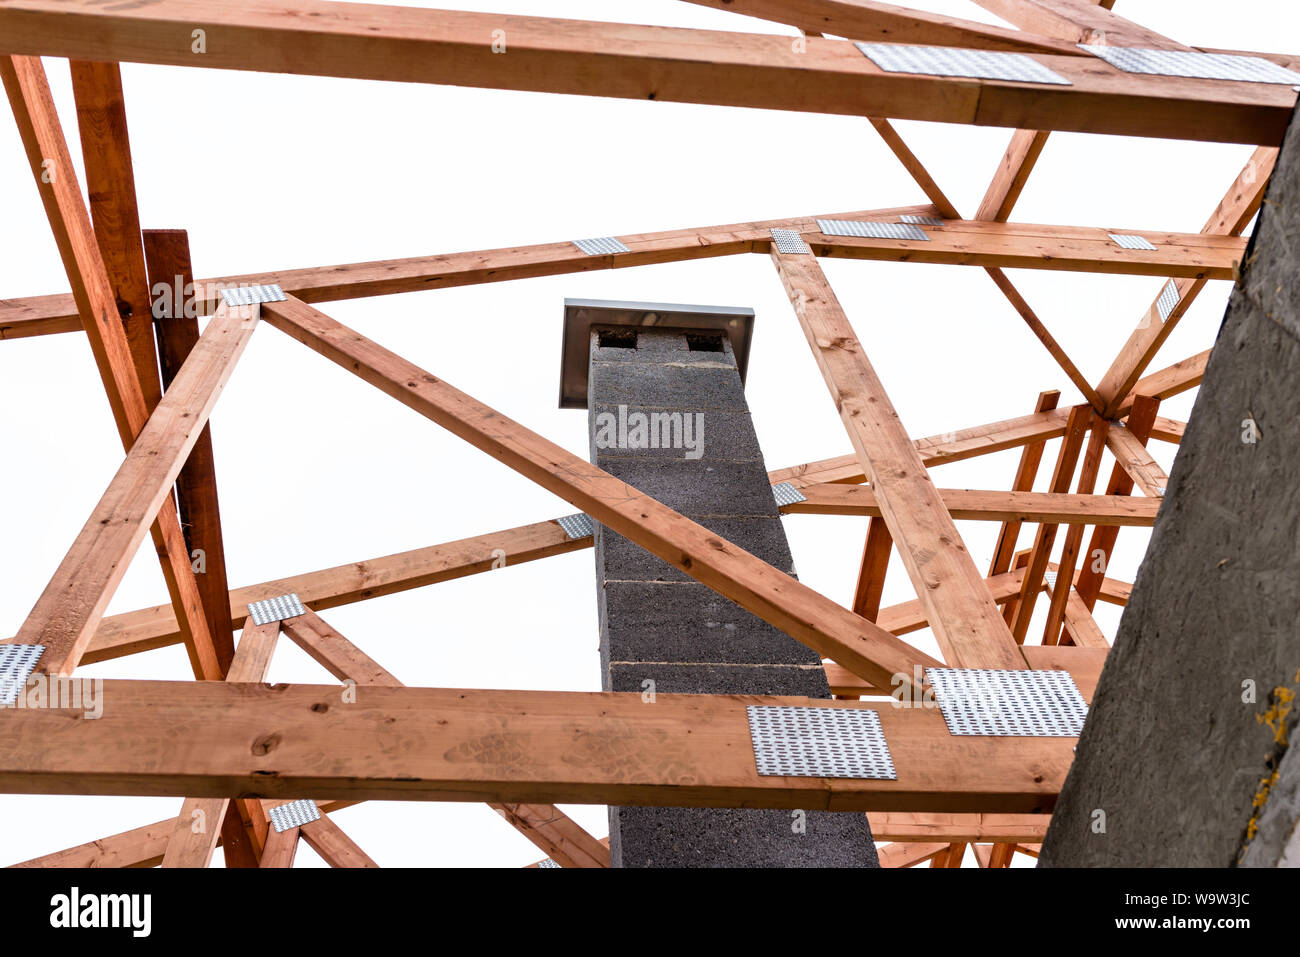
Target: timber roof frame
x,y
993,793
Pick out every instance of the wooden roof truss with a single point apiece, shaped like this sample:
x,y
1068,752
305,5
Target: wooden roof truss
x,y
993,794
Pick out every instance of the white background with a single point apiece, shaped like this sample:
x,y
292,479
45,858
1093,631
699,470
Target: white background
x,y
317,468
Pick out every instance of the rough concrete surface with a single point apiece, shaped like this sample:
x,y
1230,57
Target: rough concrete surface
x,y
661,632
1177,751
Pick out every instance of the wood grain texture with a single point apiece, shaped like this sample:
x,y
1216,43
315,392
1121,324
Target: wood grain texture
x,y
176,738
637,62
962,613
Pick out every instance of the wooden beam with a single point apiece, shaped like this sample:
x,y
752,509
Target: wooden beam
x,y
1042,550
1170,381
167,257
1026,472
937,449
138,847
1043,335
374,42
203,821
919,828
518,746
1000,855
957,242
734,573
337,849
931,189
915,168
908,855
1234,212
562,838
150,628
1168,430
42,315
887,23
194,838
110,182
1064,588
962,613
952,857
1062,508
1133,457
1082,628
870,585
281,848
1189,256
1083,663
68,611
1079,21
549,828
1013,171
106,148
1102,546
56,181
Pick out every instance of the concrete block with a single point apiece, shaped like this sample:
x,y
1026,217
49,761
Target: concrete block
x,y
730,837
687,621
804,681
762,537
699,487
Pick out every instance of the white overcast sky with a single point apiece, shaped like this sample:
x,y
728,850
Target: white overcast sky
x,y
317,468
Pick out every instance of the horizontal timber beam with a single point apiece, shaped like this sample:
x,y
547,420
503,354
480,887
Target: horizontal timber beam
x,y
375,42
994,506
957,242
191,738
47,315
909,828
1064,248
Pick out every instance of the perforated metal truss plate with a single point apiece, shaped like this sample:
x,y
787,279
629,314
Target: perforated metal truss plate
x,y
1206,66
1131,242
601,246
787,494
293,814
249,295
577,526
819,743
871,230
789,241
974,701
275,609
1168,300
547,863
16,664
922,220
1051,579
947,61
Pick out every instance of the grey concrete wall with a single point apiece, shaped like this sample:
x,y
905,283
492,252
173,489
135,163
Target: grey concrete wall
x,y
658,625
1183,738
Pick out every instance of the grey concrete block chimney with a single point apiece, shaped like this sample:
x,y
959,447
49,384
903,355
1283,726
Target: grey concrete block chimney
x,y
664,392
